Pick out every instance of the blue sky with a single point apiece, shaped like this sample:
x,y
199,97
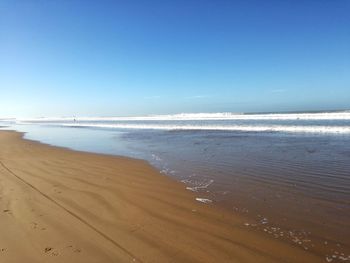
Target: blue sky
x,y
93,58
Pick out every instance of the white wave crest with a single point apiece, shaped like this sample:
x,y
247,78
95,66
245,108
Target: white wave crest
x,y
251,128
344,115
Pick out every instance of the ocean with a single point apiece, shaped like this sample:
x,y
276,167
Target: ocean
x,y
288,174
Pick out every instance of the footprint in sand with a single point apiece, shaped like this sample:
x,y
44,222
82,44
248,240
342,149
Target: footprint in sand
x,y
75,249
48,249
51,251
7,211
36,226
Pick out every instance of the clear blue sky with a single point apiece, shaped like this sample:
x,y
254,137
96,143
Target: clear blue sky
x,y
93,58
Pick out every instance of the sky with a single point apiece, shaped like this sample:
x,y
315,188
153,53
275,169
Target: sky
x,y
124,58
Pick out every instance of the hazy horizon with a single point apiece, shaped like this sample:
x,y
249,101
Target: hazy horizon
x,y
179,113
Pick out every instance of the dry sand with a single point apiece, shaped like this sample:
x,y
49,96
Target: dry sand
x,y
59,205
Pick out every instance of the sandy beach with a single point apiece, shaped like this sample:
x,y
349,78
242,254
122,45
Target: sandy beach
x,y
59,205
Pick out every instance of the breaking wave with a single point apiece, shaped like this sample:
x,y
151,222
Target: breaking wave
x,y
252,128
343,115
325,122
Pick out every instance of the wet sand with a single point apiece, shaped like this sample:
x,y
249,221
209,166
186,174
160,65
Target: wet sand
x,y
59,205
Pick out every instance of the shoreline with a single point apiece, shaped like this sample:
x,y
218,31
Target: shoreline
x,y
60,204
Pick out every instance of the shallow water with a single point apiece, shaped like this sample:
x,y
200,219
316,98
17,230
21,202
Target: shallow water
x,y
290,185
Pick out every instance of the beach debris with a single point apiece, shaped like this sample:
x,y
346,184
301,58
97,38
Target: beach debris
x,y
204,200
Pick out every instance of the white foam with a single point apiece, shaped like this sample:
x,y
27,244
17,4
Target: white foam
x,y
156,157
204,200
193,122
203,185
251,128
344,115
